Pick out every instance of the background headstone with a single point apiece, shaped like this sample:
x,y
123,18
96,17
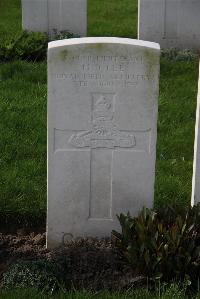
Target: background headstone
x,y
61,15
196,164
102,127
171,23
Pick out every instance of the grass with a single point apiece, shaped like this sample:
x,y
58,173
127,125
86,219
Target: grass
x,y
177,110
23,94
174,291
112,18
10,20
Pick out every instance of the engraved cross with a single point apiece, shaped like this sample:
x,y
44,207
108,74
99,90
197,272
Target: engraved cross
x,y
102,139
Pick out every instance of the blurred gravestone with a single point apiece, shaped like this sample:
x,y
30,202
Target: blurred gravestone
x,y
55,15
196,164
171,23
102,126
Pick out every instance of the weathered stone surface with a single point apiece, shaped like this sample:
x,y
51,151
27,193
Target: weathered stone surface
x,y
61,15
102,124
171,23
196,163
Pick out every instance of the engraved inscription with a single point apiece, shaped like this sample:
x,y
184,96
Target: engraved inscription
x,y
106,79
137,59
104,133
105,71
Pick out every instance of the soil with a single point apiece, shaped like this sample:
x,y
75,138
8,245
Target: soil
x,y
87,263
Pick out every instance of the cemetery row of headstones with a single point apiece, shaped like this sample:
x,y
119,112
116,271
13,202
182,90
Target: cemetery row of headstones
x,y
171,23
54,16
102,113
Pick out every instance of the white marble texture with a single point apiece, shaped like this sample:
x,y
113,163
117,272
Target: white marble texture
x,y
47,15
171,23
102,127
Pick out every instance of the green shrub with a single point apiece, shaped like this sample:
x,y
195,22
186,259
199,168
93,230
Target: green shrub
x,y
41,275
180,55
163,244
31,46
28,45
63,34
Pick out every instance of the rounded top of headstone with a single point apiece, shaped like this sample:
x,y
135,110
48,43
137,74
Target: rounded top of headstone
x,y
103,40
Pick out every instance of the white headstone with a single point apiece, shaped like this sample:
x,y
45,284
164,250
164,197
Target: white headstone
x,y
61,15
171,23
102,125
196,164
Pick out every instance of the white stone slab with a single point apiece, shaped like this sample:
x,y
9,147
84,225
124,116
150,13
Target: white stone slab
x,y
196,163
47,15
35,15
102,124
171,23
